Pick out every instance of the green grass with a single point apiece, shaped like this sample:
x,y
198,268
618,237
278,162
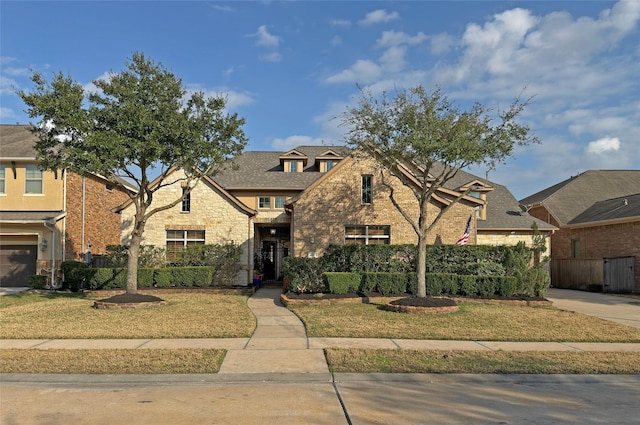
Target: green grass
x,y
65,316
111,361
473,322
507,362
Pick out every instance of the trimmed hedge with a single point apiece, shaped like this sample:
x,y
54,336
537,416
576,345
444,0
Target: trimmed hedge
x,y
116,278
37,281
342,283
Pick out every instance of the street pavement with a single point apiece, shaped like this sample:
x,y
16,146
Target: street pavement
x,y
280,376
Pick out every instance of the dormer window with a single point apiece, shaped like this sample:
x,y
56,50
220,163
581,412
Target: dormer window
x,y
327,160
293,161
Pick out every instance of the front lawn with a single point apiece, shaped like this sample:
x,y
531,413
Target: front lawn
x,y
473,322
69,316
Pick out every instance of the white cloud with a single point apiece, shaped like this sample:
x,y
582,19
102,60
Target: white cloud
x,y
395,38
7,85
340,23
363,71
265,39
222,8
378,16
294,141
7,113
604,145
92,88
234,98
441,43
17,72
5,60
336,41
393,59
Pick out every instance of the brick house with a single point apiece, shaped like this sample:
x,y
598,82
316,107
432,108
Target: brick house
x,y
48,217
312,196
598,216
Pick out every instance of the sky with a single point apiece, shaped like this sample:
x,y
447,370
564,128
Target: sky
x,y
292,68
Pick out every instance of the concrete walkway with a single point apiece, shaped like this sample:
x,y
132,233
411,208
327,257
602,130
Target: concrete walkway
x,y
279,343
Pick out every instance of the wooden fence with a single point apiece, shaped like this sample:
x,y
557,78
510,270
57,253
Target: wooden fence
x,y
578,273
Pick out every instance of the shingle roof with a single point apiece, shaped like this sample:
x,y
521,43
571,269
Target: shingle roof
x,y
503,210
568,199
611,209
17,141
30,216
263,170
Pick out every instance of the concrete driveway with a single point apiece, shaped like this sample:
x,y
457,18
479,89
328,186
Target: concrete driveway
x,y
617,308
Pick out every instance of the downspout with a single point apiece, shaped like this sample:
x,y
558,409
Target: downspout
x,y
84,186
53,253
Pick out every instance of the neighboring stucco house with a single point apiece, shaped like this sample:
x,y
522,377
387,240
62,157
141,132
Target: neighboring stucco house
x,y
48,217
598,215
208,215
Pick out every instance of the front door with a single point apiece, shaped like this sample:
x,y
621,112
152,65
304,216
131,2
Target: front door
x,y
270,259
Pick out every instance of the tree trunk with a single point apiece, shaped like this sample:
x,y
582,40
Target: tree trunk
x,y
132,264
134,253
422,266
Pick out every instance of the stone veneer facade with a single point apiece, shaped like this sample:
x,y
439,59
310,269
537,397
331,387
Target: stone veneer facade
x,y
333,202
211,211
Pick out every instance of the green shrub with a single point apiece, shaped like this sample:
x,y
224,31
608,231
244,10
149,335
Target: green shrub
x,y
102,278
304,274
507,286
37,281
119,278
342,283
162,278
150,256
369,282
434,283
391,283
412,283
74,274
468,285
202,276
145,277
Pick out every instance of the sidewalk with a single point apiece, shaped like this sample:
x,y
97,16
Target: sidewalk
x,y
280,344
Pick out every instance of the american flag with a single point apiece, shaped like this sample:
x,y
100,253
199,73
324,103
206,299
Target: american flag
x,y
465,238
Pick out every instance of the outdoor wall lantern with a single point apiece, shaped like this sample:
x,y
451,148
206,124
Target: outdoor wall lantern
x,y
272,231
43,245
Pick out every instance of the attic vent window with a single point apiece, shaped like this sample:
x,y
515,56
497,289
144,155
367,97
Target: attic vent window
x,y
109,187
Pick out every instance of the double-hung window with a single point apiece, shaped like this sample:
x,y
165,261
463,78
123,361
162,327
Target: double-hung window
x,y
264,202
33,179
178,240
367,189
367,235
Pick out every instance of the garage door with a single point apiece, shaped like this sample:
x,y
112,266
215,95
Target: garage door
x,y
17,263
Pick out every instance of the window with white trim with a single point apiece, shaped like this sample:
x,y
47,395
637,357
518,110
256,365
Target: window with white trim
x,y
367,235
264,202
177,241
186,200
33,179
367,189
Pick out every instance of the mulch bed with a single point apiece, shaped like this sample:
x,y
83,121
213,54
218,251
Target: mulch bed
x,y
125,300
404,299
